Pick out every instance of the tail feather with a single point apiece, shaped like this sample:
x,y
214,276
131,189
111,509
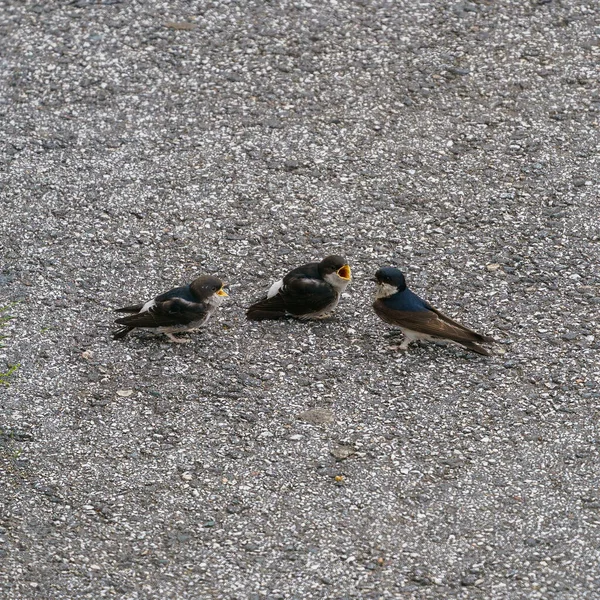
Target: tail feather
x,y
126,320
476,348
121,333
130,309
269,308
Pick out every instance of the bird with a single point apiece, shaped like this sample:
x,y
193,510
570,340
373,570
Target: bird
x,y
311,291
182,309
416,318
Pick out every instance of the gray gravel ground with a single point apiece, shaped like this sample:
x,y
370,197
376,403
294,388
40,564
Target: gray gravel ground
x,y
144,143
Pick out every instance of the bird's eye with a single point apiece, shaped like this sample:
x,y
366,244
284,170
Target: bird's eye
x,y
215,288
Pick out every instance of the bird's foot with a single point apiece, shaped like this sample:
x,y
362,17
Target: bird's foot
x,y
328,318
393,333
403,347
176,340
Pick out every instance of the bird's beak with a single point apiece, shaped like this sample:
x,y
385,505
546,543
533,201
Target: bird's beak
x,y
375,279
345,272
222,292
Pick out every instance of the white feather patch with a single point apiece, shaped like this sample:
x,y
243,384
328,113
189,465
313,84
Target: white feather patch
x,y
150,304
339,284
275,288
385,290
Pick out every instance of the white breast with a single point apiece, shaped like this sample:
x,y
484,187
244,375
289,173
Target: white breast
x,y
338,284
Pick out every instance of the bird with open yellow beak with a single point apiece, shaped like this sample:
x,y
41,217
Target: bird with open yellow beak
x,y
182,309
311,291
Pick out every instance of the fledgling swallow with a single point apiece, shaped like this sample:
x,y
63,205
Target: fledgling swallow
x,y
179,310
311,291
417,319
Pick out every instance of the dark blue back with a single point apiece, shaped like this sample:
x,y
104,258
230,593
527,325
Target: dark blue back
x,y
182,292
406,300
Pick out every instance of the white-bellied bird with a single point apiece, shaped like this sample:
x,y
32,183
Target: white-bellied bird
x,y
417,319
311,291
182,309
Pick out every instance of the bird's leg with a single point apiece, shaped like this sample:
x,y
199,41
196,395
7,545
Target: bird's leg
x,y
393,333
177,340
403,347
327,318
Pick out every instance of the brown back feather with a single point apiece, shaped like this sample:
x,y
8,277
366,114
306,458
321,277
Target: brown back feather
x,y
428,322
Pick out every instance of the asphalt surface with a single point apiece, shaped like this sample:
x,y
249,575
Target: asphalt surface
x,y
145,143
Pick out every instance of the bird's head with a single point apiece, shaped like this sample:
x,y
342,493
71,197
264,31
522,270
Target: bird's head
x,y
389,281
336,271
209,288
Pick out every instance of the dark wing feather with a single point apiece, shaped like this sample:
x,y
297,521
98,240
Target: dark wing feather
x,y
299,295
269,308
476,348
304,295
427,322
122,332
130,309
167,314
478,336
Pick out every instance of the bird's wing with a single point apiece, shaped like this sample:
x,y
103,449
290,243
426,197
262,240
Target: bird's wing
x,y
269,308
182,293
427,322
130,309
299,295
476,336
174,311
305,295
